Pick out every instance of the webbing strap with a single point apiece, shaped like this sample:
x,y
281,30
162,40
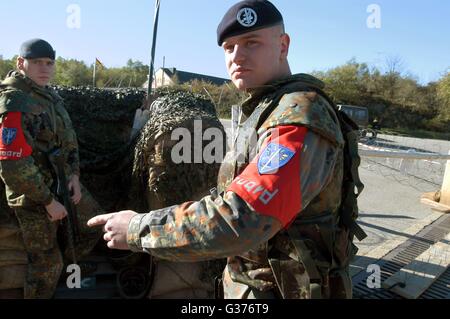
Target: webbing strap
x,y
352,138
305,258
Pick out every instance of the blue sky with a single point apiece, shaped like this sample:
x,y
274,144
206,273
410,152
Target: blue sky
x,y
325,33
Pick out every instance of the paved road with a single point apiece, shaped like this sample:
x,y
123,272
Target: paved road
x,y
407,143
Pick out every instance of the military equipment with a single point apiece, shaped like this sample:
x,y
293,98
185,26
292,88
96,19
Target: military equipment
x,y
63,194
154,172
359,115
123,174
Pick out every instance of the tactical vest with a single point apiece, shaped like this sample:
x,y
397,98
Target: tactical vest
x,y
321,237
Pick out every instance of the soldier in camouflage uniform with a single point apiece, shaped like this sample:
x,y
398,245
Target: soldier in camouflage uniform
x,y
279,213
34,123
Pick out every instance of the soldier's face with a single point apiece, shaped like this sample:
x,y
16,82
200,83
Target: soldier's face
x,y
256,58
41,71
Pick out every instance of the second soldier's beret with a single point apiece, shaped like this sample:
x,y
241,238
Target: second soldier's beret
x,y
37,48
247,16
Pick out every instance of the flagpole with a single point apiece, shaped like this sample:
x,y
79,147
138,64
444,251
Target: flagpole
x,y
95,73
152,61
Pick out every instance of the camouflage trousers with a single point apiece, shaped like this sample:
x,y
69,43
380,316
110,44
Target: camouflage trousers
x,y
30,250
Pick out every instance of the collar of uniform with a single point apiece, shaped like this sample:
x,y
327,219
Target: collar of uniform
x,y
22,82
18,81
258,92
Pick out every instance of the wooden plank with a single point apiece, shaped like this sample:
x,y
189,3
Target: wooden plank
x,y
445,191
435,205
421,273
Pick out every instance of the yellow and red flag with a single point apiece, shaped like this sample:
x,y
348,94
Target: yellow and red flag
x,y
99,64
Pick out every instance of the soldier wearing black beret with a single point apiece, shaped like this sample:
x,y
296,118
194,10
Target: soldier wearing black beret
x,y
278,216
34,128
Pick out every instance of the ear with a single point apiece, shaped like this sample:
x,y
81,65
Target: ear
x,y
285,43
20,63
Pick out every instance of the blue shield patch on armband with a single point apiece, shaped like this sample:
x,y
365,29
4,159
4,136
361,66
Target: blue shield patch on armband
x,y
8,135
273,158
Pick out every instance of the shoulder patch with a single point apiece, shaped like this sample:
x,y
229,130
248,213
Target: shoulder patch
x,y
273,157
8,135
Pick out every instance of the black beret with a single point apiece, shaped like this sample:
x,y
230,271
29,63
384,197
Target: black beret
x,y
247,16
36,49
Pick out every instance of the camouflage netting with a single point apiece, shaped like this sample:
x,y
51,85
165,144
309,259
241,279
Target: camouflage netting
x,y
154,171
111,163
103,120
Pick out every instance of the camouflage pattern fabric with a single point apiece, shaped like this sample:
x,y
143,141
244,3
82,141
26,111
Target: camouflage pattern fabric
x,y
225,225
13,257
111,165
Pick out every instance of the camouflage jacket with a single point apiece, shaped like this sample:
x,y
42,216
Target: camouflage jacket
x,y
286,162
33,122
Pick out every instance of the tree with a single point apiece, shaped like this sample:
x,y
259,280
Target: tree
x,y
72,73
346,84
394,69
223,97
6,66
443,92
134,74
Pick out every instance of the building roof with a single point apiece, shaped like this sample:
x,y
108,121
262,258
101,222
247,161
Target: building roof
x,y
184,76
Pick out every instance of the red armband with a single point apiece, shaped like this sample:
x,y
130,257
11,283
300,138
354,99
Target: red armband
x,y
271,183
13,145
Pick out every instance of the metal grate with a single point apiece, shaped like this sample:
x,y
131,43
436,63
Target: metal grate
x,y
440,289
402,256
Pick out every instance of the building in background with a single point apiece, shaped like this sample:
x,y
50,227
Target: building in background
x,y
172,76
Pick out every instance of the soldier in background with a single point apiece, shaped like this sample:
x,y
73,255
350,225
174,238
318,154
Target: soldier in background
x,y
34,125
283,214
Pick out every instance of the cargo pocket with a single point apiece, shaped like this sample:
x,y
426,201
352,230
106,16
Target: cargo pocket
x,y
38,232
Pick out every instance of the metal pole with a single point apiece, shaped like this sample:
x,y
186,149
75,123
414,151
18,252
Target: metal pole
x,y
163,70
155,33
95,73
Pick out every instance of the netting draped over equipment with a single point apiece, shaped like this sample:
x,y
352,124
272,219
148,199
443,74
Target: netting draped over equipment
x,y
155,173
110,162
103,120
